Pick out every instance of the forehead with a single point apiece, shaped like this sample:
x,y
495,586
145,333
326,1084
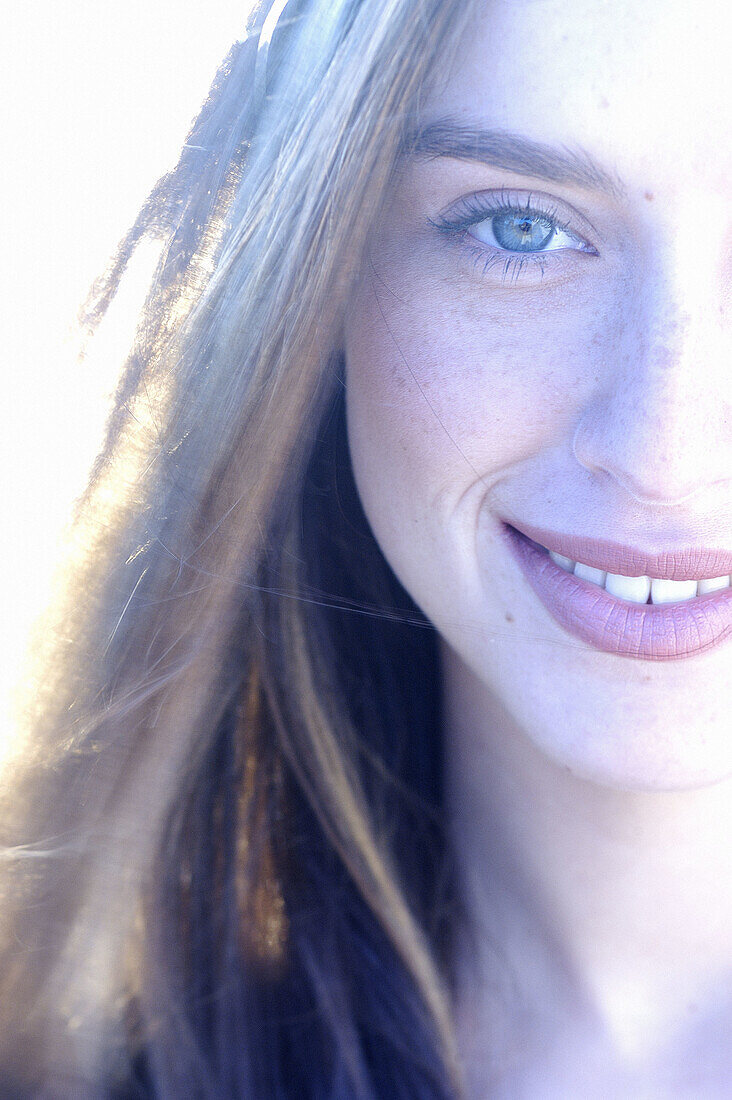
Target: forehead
x,y
645,86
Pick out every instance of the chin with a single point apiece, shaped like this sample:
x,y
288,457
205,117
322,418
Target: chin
x,y
600,719
628,749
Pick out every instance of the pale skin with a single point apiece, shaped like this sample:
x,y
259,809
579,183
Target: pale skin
x,y
589,793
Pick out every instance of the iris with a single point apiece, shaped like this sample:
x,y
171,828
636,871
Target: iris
x,y
522,231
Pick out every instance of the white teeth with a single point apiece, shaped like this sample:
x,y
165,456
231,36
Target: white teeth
x,y
635,589
589,573
664,591
638,589
559,559
713,585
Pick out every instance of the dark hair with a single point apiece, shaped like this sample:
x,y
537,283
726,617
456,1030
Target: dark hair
x,y
337,1015
225,872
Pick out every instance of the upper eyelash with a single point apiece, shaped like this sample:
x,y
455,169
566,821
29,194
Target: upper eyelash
x,y
477,208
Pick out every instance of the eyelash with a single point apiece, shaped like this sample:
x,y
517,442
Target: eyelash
x,y
474,209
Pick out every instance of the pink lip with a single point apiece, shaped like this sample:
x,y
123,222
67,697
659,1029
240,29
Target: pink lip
x,y
651,632
673,565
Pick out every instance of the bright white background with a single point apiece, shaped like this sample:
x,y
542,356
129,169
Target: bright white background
x,y
96,100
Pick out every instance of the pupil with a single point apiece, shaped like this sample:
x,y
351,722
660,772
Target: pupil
x,y
522,232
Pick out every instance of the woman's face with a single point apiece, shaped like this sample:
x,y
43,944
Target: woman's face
x,y
541,338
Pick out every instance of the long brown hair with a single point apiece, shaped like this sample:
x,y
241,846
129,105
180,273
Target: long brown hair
x,y
223,870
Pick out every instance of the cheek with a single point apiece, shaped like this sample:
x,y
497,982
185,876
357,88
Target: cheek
x,y
449,384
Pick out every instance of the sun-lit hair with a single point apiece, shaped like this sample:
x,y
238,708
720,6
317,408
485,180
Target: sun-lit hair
x,y
222,866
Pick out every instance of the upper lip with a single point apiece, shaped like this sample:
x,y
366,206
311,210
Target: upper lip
x,y
674,564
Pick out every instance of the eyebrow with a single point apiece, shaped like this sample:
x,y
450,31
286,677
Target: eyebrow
x,y
447,137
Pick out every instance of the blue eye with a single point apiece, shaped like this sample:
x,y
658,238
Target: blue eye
x,y
514,231
521,232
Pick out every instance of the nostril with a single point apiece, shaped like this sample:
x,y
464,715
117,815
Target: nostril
x,y
645,474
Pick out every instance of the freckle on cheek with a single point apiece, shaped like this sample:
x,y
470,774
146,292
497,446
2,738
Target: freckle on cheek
x,y
648,195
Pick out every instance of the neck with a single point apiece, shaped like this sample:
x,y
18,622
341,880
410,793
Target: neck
x,y
607,906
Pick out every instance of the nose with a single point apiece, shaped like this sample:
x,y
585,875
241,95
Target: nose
x,y
658,422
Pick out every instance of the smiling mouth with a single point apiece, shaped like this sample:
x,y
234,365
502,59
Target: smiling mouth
x,y
642,589
628,613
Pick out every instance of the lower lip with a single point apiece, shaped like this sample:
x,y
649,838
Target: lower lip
x,y
650,632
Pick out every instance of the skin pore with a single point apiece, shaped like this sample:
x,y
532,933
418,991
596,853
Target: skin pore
x,y
585,389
